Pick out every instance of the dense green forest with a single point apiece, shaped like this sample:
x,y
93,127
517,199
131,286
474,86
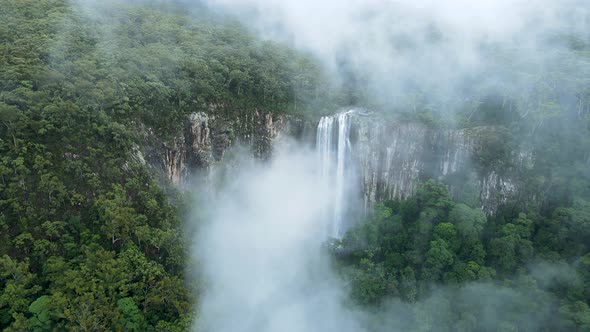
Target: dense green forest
x,y
529,267
441,263
91,240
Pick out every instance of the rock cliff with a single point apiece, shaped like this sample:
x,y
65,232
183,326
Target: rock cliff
x,y
207,136
480,164
391,157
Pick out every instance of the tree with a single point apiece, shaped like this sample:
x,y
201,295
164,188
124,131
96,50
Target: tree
x,y
132,319
18,290
513,246
438,259
40,309
470,222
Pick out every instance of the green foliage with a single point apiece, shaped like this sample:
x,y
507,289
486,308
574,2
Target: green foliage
x,y
494,149
88,239
40,309
578,314
132,319
438,258
469,222
409,249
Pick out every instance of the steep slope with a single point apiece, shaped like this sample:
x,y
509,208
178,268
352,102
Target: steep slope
x,y
89,237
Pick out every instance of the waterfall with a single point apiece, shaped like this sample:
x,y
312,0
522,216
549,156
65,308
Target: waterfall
x,y
334,154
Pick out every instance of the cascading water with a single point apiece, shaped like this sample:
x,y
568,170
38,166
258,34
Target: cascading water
x,y
334,158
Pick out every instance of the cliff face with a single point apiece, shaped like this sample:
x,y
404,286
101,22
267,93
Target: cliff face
x,y
480,164
206,137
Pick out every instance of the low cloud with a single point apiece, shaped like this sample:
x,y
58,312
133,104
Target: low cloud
x,y
260,253
449,49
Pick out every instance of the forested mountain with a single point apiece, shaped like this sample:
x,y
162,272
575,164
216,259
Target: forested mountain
x,y
465,272
89,239
437,261
93,239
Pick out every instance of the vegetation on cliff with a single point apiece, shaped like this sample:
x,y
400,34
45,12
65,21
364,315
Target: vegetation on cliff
x,y
527,270
91,240
88,238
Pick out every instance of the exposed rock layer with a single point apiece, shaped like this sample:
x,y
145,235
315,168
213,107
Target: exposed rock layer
x,y
392,157
206,138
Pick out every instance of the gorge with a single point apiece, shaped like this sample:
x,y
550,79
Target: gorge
x,y
367,156
294,165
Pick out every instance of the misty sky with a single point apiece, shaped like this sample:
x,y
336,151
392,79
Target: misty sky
x,y
438,47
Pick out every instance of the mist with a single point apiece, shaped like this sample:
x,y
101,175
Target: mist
x,y
261,251
148,181
262,247
264,264
391,52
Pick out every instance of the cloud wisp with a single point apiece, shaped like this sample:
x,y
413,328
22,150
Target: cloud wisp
x,y
261,252
444,49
